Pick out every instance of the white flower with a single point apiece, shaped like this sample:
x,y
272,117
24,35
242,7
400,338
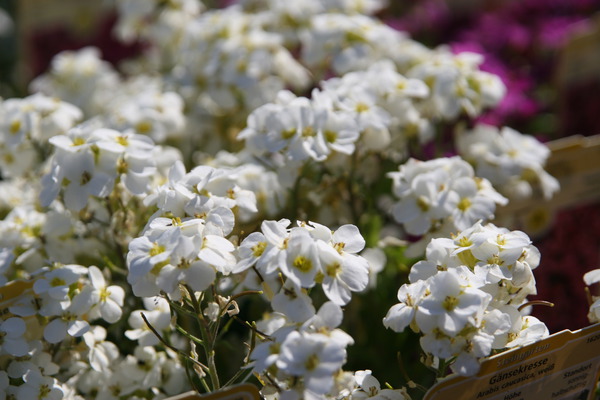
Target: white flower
x,y
106,301
474,204
266,353
594,311
452,304
198,274
313,356
369,388
250,251
101,353
302,262
67,322
512,162
159,319
81,78
12,341
55,283
429,199
40,387
592,277
342,273
532,330
147,257
37,359
216,251
77,173
402,314
293,302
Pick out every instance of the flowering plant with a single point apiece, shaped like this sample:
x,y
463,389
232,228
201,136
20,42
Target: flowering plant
x,y
207,215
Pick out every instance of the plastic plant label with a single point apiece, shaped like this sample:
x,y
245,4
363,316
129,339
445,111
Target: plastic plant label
x,y
580,59
11,292
244,391
565,365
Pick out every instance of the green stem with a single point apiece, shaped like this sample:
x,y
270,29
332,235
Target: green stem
x,y
181,309
207,337
252,327
191,379
441,371
189,335
166,344
237,375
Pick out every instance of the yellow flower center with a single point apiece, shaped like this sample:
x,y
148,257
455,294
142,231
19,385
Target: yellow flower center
x,y
303,264
143,127
122,140
259,249
15,126
361,107
288,133
330,136
57,282
334,269
464,204
450,303
311,362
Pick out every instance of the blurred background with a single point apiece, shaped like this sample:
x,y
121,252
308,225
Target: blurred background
x,y
547,52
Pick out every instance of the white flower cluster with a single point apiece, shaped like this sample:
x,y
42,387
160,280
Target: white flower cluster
x,y
28,237
386,104
376,106
81,78
25,127
146,372
89,162
190,246
305,255
303,361
176,251
355,42
228,62
512,162
457,85
441,196
269,187
155,21
299,14
141,105
347,43
200,191
62,302
138,104
300,129
467,296
194,252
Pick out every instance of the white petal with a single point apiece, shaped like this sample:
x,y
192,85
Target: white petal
x,y
200,276
96,277
55,331
110,311
399,317
592,277
78,328
351,237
